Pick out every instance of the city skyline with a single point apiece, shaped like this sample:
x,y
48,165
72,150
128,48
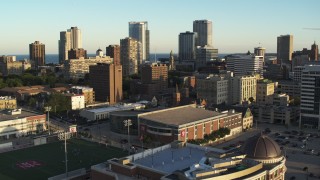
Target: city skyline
x,y
238,26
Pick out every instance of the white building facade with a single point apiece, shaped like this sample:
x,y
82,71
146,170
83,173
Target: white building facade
x,y
70,39
140,32
245,64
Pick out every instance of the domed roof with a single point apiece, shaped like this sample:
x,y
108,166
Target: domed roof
x,y
261,147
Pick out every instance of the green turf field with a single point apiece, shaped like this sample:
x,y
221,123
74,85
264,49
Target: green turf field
x,y
41,162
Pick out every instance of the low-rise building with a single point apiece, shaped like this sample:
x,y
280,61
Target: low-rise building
x,y
185,123
8,102
24,92
259,158
89,96
76,101
104,113
15,123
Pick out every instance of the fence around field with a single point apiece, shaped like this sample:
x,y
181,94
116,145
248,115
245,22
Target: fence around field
x,y
71,174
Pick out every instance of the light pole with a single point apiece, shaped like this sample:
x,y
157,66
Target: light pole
x,y
48,109
127,123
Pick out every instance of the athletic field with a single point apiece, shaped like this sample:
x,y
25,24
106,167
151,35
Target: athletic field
x,y
41,162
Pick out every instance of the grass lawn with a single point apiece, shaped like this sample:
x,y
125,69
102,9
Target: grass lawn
x,y
41,162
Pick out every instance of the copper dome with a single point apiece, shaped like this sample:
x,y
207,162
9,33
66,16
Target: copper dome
x,y
261,147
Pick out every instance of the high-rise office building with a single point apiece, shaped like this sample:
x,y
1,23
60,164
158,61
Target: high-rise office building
x,y
314,52
284,47
259,51
37,54
106,81
205,54
76,53
204,30
187,46
130,55
140,32
114,52
70,39
310,97
245,64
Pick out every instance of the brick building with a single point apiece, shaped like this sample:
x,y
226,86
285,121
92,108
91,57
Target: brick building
x,y
186,122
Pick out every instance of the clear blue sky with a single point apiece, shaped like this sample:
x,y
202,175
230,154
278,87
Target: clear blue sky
x,y
238,26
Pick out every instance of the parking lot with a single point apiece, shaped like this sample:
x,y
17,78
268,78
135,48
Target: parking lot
x,y
301,147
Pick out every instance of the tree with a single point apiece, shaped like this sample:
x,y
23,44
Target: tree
x,y
2,84
251,99
15,82
58,102
32,101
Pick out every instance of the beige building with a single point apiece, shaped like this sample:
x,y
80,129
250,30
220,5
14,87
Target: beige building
x,y
242,89
77,68
130,55
8,102
247,119
265,90
9,65
89,96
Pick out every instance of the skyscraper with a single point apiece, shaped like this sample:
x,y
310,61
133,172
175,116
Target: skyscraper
x,y
187,46
205,54
314,52
70,39
130,55
284,47
310,97
114,52
37,54
204,30
140,32
106,81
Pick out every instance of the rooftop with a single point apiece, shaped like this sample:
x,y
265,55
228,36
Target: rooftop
x,y
6,117
179,115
